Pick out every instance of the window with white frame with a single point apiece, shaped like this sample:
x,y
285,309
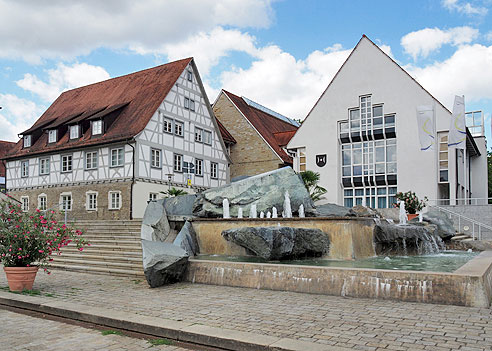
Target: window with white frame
x,y
66,163
52,136
376,197
66,202
198,134
27,140
114,200
152,196
443,158
214,170
91,200
189,75
25,203
117,157
44,166
24,169
207,137
192,105
187,103
178,163
198,167
97,127
42,202
168,125
178,128
91,160
74,131
155,156
302,160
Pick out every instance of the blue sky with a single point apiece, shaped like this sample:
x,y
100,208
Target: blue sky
x,y
282,54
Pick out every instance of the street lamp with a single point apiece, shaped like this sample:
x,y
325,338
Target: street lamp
x,y
169,178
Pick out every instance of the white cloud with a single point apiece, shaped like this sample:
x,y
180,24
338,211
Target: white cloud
x,y
279,81
33,29
16,116
62,78
464,7
467,72
424,41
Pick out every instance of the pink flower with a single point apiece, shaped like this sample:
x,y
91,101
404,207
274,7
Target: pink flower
x,y
81,249
40,251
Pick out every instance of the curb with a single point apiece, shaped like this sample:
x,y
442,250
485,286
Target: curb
x,y
181,331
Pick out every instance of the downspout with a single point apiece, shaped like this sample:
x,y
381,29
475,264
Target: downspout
x,y
5,167
133,178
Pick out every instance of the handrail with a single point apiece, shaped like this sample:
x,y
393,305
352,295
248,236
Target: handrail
x,y
462,201
471,220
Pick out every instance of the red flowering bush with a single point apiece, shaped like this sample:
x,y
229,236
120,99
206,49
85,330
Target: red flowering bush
x,y
29,239
412,202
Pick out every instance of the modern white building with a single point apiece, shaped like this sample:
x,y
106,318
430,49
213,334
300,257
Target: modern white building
x,y
362,137
103,150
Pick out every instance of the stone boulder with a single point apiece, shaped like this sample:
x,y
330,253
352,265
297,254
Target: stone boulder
x,y
332,210
363,211
186,239
276,243
163,263
264,190
445,227
181,205
155,226
398,239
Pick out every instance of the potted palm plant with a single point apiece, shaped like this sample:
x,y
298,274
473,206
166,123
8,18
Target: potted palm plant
x,y
28,240
412,203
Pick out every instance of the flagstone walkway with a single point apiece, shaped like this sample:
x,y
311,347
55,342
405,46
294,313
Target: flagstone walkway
x,y
361,324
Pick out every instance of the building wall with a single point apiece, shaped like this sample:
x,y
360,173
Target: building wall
x,y
251,155
369,71
479,171
78,193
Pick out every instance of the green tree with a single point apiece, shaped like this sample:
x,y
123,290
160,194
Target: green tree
x,y
311,180
173,192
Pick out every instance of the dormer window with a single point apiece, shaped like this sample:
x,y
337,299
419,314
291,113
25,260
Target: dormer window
x,y
74,131
27,140
97,127
52,136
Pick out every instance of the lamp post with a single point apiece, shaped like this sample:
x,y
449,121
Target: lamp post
x,y
169,178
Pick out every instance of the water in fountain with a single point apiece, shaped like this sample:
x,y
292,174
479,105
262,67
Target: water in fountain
x,y
405,253
269,214
240,213
252,211
301,211
225,206
403,214
364,202
421,217
287,212
274,212
262,214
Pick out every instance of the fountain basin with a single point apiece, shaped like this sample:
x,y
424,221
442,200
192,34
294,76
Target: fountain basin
x,y
470,285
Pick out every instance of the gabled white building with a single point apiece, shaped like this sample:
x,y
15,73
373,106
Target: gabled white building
x,y
103,150
362,137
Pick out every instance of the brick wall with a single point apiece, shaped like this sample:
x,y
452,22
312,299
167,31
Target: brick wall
x,y
79,211
251,155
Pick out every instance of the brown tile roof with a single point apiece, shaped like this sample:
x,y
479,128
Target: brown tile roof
x,y
130,100
267,125
228,138
5,147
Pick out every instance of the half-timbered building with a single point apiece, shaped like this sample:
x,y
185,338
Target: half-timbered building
x,y
103,150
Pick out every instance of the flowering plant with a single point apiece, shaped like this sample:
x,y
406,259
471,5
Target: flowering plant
x,y
28,239
412,202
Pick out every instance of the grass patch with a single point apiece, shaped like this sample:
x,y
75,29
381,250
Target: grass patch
x,y
136,281
110,332
156,342
49,295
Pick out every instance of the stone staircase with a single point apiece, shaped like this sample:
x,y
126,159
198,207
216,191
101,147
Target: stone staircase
x,y
115,250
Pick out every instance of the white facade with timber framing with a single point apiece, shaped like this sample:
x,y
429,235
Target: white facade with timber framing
x,y
159,131
362,137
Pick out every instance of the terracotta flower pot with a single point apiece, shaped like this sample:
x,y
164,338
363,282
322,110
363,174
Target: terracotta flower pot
x,y
411,216
20,278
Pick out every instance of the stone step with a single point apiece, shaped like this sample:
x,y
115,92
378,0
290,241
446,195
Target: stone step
x,y
100,258
109,222
116,238
460,237
113,242
97,246
92,252
95,263
100,270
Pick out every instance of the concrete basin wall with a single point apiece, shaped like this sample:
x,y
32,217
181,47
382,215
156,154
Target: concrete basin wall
x,y
350,237
471,285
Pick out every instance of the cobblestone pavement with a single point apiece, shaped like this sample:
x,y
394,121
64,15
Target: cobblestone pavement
x,y
361,324
25,333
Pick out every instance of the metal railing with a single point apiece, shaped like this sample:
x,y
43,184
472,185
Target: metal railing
x,y
462,220
461,201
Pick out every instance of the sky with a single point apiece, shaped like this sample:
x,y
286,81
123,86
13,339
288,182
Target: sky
x,y
282,54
